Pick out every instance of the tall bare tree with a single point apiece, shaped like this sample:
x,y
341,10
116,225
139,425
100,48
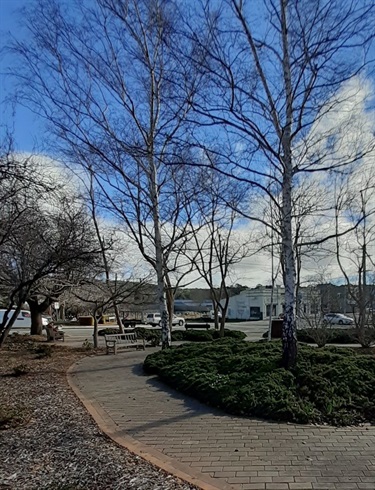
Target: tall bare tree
x,y
217,244
110,78
355,252
275,76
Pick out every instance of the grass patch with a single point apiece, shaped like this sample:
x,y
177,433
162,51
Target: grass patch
x,y
329,385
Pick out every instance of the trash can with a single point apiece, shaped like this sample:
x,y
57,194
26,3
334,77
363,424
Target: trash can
x,y
277,329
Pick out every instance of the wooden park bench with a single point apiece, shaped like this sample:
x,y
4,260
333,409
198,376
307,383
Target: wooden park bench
x,y
197,325
119,340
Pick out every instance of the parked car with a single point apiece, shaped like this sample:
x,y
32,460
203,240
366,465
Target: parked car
x,y
337,319
154,319
23,320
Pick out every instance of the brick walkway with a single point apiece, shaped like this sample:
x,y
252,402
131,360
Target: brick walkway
x,y
217,449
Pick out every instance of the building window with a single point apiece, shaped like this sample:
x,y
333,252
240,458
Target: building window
x,y
268,310
255,312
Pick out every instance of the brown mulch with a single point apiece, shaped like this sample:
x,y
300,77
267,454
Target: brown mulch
x,y
48,440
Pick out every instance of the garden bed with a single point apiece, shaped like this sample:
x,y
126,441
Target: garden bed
x,y
329,385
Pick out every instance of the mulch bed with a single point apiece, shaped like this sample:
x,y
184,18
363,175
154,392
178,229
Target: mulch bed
x,y
48,440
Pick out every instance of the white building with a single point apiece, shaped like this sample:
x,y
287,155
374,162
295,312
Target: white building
x,y
255,304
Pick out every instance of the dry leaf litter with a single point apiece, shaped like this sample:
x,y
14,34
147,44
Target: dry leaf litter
x,y
50,441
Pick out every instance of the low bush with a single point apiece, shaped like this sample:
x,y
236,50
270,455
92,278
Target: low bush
x,y
108,331
329,385
333,335
153,336
197,335
232,334
177,335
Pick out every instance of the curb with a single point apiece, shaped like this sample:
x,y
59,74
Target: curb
x,y
153,456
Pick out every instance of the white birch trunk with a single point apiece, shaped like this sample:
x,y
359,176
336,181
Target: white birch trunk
x,y
165,332
159,266
289,328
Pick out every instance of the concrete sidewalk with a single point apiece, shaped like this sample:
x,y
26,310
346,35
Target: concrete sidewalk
x,y
212,449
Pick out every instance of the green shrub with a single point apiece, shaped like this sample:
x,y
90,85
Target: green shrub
x,y
154,336
198,335
151,336
177,335
346,336
329,385
233,334
108,331
333,335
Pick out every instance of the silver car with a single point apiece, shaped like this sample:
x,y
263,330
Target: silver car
x,y
337,319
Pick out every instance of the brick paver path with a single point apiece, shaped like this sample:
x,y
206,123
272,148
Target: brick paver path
x,y
230,452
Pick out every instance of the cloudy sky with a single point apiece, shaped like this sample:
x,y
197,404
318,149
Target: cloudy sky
x,y
356,117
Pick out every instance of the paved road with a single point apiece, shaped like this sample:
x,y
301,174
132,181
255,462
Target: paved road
x,y
76,335
225,451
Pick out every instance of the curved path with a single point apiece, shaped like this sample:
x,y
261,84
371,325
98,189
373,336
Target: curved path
x,y
214,450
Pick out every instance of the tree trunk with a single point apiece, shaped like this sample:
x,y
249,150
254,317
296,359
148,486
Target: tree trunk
x,y
289,337
159,263
118,318
224,310
269,336
159,266
222,326
36,310
170,301
95,336
7,324
216,316
36,322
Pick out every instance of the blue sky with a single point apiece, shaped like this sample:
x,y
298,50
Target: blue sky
x,y
27,129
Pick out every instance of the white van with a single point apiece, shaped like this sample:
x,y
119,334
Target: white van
x,y
23,320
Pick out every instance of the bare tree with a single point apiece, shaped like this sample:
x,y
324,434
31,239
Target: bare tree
x,y
100,296
104,246
110,79
46,252
271,87
217,244
313,317
355,252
